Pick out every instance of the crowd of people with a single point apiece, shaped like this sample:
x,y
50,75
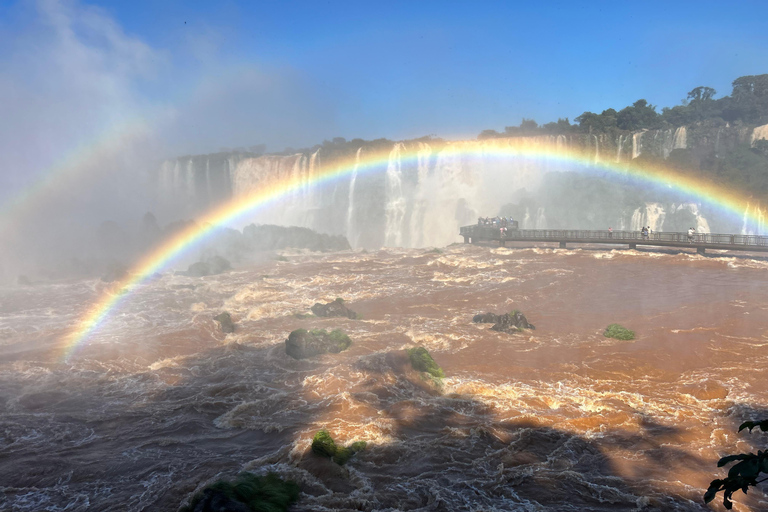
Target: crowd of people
x,y
502,223
494,222
505,223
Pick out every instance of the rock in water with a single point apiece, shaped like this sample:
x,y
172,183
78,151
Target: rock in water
x,y
512,322
302,343
215,500
210,267
485,318
335,308
423,362
225,320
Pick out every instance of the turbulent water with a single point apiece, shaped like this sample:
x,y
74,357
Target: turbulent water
x,y
158,402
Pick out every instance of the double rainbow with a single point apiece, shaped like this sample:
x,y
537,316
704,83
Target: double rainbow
x,y
511,150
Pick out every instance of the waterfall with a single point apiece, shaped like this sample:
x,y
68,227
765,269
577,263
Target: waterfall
x,y
759,133
351,235
526,223
420,200
423,191
637,144
618,148
652,215
395,208
680,139
597,149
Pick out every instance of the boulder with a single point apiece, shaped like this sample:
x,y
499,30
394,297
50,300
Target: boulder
x,y
302,343
324,446
485,318
215,500
509,322
512,322
248,492
335,308
423,362
209,267
225,321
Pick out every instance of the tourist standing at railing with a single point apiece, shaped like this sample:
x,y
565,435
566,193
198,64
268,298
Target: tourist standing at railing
x,y
610,232
691,232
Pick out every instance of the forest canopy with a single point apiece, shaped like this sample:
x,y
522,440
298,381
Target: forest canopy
x,y
747,104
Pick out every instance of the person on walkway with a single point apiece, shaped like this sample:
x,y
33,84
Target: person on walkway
x,y
610,232
691,232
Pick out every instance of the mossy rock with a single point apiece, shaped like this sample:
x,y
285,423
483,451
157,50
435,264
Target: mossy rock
x,y
335,308
324,445
618,332
423,362
247,493
302,343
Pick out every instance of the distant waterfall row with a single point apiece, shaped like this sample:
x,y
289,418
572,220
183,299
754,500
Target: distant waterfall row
x,y
424,191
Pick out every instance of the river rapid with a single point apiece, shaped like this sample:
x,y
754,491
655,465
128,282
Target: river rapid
x,y
159,401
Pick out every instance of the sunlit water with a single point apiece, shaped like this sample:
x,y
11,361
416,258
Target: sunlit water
x,y
159,401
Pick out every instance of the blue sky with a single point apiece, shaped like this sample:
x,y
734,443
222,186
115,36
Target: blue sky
x,y
314,70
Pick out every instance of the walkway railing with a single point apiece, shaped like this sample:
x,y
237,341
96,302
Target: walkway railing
x,y
477,233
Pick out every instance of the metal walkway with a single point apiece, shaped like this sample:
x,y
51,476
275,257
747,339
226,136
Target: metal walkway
x,y
699,241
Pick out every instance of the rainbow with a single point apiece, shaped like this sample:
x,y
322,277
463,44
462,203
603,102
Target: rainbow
x,y
508,149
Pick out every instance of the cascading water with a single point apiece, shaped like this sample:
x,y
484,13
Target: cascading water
x,y
351,234
425,191
396,203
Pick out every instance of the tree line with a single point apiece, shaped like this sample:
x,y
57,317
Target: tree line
x,y
747,104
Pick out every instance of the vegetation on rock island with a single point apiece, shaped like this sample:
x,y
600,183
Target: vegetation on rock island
x,y
423,362
324,446
268,493
618,332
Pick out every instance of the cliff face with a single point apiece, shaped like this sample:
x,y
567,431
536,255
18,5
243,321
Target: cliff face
x,y
422,191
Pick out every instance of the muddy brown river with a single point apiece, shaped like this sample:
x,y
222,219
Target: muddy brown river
x,y
158,401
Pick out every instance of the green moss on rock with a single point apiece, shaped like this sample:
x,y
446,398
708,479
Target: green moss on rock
x,y
618,332
268,493
423,362
324,445
302,343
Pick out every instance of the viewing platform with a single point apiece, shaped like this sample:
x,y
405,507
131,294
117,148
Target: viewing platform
x,y
700,241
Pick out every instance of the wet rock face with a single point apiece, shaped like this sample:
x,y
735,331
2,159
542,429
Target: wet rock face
x,y
335,308
302,343
512,322
509,322
486,318
225,320
214,500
